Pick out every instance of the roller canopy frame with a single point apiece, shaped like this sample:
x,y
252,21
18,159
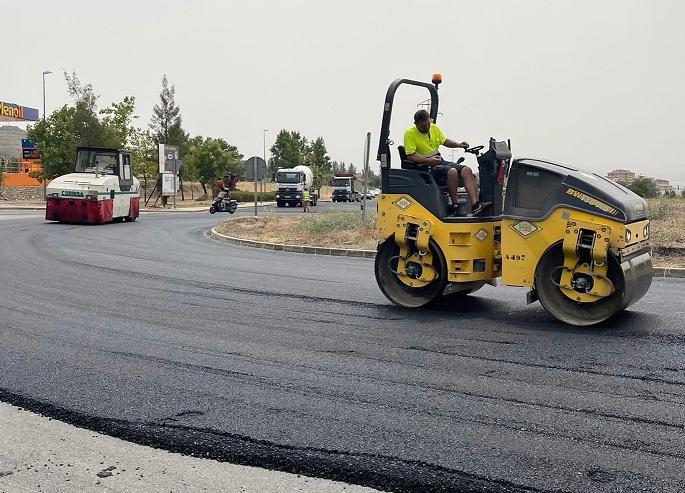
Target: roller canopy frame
x,y
384,140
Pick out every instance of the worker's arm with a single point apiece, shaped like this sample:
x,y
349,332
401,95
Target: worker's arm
x,y
455,145
430,161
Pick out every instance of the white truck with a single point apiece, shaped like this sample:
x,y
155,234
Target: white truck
x,y
292,182
102,189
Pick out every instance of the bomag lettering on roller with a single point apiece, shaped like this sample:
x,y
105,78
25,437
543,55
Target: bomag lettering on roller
x,y
579,241
102,189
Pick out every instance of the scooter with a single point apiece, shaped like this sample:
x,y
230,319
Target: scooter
x,y
223,203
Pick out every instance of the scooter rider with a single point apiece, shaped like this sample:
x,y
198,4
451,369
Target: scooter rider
x,y
224,184
421,143
223,201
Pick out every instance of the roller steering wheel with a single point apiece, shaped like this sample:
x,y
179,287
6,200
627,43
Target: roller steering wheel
x,y
474,150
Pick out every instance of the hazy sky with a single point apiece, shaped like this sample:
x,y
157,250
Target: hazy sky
x,y
598,84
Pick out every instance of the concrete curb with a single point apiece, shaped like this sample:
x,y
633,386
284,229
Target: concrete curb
x,y
673,272
669,250
335,252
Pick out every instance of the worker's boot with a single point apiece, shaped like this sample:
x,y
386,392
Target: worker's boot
x,y
479,207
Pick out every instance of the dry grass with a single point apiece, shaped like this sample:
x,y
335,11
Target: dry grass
x,y
668,231
337,230
668,222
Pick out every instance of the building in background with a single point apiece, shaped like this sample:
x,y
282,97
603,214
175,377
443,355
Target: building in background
x,y
19,159
10,142
624,176
664,186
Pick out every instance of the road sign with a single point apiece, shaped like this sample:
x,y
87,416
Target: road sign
x,y
169,184
253,163
168,159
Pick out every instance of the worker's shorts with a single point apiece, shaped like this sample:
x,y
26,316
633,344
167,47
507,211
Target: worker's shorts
x,y
440,171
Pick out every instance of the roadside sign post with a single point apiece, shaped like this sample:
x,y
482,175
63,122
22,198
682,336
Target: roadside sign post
x,y
168,164
255,170
175,180
365,188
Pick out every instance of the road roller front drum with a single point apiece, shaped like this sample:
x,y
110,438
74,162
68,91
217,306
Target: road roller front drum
x,y
553,298
398,290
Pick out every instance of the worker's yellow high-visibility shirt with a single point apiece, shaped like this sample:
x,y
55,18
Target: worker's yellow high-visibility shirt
x,y
423,144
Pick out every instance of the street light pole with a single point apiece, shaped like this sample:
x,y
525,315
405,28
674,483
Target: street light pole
x,y
45,194
265,131
45,72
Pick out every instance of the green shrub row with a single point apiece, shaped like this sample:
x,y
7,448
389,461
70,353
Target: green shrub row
x,y
241,196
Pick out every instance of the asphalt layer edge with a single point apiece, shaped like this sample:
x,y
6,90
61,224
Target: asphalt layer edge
x,y
375,471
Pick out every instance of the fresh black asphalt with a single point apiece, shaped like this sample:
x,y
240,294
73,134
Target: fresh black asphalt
x,y
153,332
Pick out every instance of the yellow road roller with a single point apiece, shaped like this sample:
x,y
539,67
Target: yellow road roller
x,y
579,241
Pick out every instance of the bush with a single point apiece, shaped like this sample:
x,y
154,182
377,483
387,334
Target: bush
x,y
321,224
644,187
241,196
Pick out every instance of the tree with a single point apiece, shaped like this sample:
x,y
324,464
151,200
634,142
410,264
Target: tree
x,y
320,162
143,155
209,158
78,124
288,150
166,125
339,167
56,141
351,169
117,122
234,159
86,124
644,187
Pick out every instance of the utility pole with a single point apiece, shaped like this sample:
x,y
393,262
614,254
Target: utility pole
x,y
264,157
45,195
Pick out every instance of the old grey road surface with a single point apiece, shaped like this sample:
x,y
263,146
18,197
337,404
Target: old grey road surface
x,y
154,333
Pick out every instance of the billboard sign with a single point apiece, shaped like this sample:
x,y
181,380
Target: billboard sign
x,y
30,154
11,112
167,155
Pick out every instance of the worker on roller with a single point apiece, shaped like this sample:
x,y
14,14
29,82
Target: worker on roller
x,y
422,142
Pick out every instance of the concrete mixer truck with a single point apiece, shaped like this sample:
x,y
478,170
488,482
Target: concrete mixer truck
x,y
292,182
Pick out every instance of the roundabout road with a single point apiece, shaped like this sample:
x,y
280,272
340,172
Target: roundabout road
x,y
156,334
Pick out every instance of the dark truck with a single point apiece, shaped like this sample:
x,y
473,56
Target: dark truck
x,y
343,188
